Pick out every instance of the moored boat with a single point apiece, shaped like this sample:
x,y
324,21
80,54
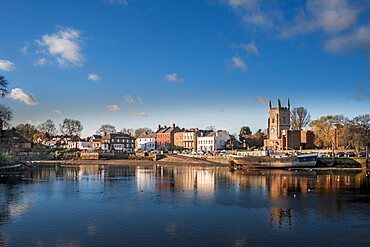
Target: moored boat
x,y
276,161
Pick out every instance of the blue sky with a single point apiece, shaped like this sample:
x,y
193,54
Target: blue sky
x,y
195,63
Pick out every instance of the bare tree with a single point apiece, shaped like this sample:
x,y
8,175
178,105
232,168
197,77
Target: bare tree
x,y
299,118
3,85
48,127
106,128
211,128
127,131
26,130
141,131
71,127
5,116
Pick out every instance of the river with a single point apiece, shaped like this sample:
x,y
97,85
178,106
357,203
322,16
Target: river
x,y
97,205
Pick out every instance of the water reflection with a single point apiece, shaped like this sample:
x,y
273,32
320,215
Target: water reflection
x,y
105,197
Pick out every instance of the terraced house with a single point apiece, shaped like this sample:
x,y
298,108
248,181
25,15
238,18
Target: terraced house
x,y
165,136
118,142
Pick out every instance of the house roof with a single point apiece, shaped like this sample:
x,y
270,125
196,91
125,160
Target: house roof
x,y
6,134
168,130
147,135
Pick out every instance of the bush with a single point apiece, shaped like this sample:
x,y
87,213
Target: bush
x,y
4,159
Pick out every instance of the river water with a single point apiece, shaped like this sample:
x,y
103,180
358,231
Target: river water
x,y
95,205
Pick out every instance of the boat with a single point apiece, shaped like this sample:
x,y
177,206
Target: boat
x,y
276,161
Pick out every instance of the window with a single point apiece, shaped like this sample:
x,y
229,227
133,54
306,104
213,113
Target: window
x,y
273,120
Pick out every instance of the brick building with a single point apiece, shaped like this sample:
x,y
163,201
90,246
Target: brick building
x,y
165,136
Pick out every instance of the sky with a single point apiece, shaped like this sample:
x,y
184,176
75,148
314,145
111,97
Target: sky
x,y
196,63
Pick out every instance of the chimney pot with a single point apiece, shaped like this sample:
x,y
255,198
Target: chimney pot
x,y
173,125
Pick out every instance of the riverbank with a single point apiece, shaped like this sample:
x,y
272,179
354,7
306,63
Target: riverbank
x,y
172,160
177,160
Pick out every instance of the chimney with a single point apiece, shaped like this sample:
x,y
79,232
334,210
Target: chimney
x,y
159,126
165,126
173,125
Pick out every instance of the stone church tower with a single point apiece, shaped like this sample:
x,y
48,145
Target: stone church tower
x,y
279,120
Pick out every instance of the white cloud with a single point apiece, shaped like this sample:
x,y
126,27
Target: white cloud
x,y
116,2
237,62
140,100
139,114
261,99
128,99
6,65
18,94
65,46
247,47
112,108
173,77
58,112
93,77
329,16
40,62
358,39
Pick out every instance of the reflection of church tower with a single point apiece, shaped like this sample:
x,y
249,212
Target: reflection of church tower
x,y
279,119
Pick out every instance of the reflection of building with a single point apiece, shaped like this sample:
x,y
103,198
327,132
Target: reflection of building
x,y
281,136
281,216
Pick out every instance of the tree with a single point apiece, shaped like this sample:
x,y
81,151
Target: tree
x,y
106,129
232,143
299,117
127,131
71,127
39,137
26,130
211,128
48,127
244,132
361,125
6,116
3,86
140,131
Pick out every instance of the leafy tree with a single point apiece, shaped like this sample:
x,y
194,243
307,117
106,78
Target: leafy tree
x,y
39,137
331,131
127,131
361,126
141,131
71,127
299,117
244,132
106,129
6,116
232,143
48,127
26,130
3,86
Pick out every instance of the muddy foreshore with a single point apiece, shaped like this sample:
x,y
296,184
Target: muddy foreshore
x,y
169,160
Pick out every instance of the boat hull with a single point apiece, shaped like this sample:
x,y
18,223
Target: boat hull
x,y
277,162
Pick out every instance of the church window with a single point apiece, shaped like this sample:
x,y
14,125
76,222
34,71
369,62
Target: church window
x,y
273,120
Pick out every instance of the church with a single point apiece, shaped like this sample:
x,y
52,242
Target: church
x,y
281,136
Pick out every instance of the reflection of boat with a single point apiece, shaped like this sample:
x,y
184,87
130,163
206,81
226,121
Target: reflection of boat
x,y
13,169
302,160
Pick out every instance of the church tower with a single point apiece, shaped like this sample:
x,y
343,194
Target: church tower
x,y
279,120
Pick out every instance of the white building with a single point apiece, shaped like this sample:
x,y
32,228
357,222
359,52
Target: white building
x,y
146,142
83,145
212,141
